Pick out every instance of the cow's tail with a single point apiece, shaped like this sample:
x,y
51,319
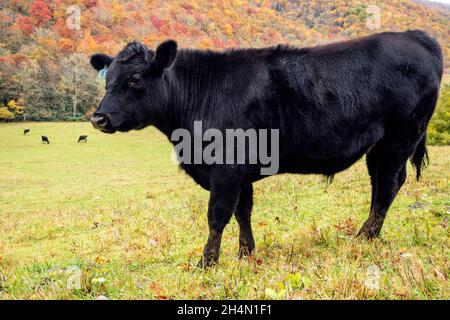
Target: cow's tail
x,y
419,159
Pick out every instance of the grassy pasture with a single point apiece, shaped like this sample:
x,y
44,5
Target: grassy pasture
x,y
445,78
120,218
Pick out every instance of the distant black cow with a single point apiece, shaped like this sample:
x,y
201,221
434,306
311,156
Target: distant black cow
x,y
332,104
26,131
45,139
82,138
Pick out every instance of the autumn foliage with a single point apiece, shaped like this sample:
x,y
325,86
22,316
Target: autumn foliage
x,y
41,39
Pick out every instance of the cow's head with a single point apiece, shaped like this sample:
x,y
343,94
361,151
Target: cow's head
x,y
136,92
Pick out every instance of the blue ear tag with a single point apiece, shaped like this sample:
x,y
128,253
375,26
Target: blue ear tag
x,y
102,73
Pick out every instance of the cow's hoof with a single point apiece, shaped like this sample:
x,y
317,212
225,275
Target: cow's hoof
x,y
205,264
368,232
245,251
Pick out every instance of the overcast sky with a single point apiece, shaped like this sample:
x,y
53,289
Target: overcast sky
x,y
443,1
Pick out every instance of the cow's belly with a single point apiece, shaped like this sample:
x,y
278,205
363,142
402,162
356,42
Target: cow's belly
x,y
327,155
319,166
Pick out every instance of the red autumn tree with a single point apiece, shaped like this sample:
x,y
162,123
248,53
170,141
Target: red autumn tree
x,y
25,24
40,12
61,28
90,3
157,23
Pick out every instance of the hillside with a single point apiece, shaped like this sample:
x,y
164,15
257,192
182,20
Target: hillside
x,y
44,45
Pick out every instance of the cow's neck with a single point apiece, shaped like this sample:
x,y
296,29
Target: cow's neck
x,y
196,82
189,93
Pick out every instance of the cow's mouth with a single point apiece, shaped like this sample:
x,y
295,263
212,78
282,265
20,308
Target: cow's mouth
x,y
109,131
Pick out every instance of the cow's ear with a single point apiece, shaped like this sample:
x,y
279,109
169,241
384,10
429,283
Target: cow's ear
x,y
166,54
100,60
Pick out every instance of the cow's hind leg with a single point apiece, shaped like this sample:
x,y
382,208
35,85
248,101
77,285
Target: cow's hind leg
x,y
387,172
242,214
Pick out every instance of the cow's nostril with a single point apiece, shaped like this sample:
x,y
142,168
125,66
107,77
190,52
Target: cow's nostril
x,y
102,121
99,121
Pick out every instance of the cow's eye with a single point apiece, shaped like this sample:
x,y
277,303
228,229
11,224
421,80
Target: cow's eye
x,y
134,80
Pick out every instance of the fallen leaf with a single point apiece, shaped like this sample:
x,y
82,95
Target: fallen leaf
x,y
100,260
98,280
262,224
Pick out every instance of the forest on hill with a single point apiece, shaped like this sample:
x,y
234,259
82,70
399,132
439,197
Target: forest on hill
x,y
45,45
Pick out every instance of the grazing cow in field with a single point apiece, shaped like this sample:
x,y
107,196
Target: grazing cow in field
x,y
45,140
332,105
26,131
82,138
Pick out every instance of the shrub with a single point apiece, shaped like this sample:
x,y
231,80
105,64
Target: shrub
x,y
5,114
439,129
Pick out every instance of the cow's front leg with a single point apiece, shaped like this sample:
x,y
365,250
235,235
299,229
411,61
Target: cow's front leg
x,y
222,203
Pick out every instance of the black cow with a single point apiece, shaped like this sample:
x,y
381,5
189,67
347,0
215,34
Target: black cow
x,y
82,138
26,131
45,139
332,104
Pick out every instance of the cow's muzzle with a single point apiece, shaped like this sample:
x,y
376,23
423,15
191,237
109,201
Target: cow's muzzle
x,y
102,122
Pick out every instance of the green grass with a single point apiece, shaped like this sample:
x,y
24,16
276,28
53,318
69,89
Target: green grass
x,y
446,78
134,225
